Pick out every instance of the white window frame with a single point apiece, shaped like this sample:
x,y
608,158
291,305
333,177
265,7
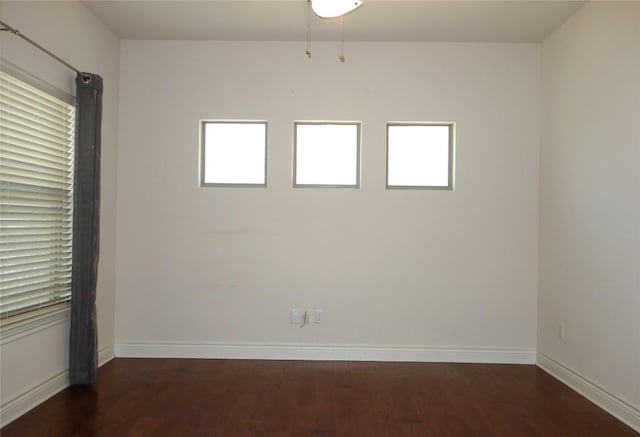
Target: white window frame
x,y
450,164
27,319
358,124
203,124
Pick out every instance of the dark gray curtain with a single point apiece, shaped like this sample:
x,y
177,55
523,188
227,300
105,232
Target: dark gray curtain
x,y
83,351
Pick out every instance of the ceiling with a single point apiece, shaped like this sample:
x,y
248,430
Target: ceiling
x,y
518,21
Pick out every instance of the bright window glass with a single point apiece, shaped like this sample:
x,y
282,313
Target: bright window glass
x,y
327,154
234,153
419,155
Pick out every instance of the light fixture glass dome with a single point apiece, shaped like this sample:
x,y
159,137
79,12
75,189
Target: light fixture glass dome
x,y
334,8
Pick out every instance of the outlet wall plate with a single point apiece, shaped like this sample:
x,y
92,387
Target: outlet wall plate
x,y
318,315
295,317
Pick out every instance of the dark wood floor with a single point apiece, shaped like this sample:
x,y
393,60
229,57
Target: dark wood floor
x,y
166,397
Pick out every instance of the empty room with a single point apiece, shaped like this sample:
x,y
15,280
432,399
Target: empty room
x,y
324,217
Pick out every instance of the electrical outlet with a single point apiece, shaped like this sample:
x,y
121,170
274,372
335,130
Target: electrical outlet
x,y
318,315
561,332
295,317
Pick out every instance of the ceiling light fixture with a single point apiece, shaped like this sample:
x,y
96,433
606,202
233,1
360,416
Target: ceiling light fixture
x,y
330,9
334,8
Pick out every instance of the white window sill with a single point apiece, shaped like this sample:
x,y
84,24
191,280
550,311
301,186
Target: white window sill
x,y
12,331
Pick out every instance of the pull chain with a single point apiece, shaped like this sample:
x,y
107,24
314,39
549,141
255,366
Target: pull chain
x,y
341,56
308,50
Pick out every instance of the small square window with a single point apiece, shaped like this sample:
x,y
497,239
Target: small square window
x,y
233,153
326,154
420,155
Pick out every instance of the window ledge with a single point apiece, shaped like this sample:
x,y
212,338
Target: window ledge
x,y
13,331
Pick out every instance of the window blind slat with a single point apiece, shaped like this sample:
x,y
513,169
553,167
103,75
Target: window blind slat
x,y
37,296
23,275
28,193
18,176
21,140
25,177
36,197
28,105
13,264
24,212
49,304
38,127
18,287
28,206
8,256
19,243
35,288
49,121
29,92
13,164
33,153
39,231
45,135
26,274
9,248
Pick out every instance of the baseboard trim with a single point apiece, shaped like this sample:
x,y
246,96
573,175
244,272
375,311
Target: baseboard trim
x,y
33,396
615,406
106,354
38,393
325,352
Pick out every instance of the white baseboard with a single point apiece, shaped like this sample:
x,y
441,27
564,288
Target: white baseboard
x,y
106,354
617,407
325,352
38,393
33,396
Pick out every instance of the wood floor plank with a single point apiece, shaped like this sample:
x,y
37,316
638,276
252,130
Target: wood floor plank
x,y
174,397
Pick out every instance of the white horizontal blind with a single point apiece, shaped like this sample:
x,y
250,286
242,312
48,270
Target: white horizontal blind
x,y
36,198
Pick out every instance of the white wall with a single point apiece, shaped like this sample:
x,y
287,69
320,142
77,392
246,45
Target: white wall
x,y
590,201
420,268
34,365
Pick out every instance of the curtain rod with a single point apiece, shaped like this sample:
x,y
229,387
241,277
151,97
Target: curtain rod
x,y
35,44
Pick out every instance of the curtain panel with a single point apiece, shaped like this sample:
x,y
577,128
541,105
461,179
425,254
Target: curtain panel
x,y
83,350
